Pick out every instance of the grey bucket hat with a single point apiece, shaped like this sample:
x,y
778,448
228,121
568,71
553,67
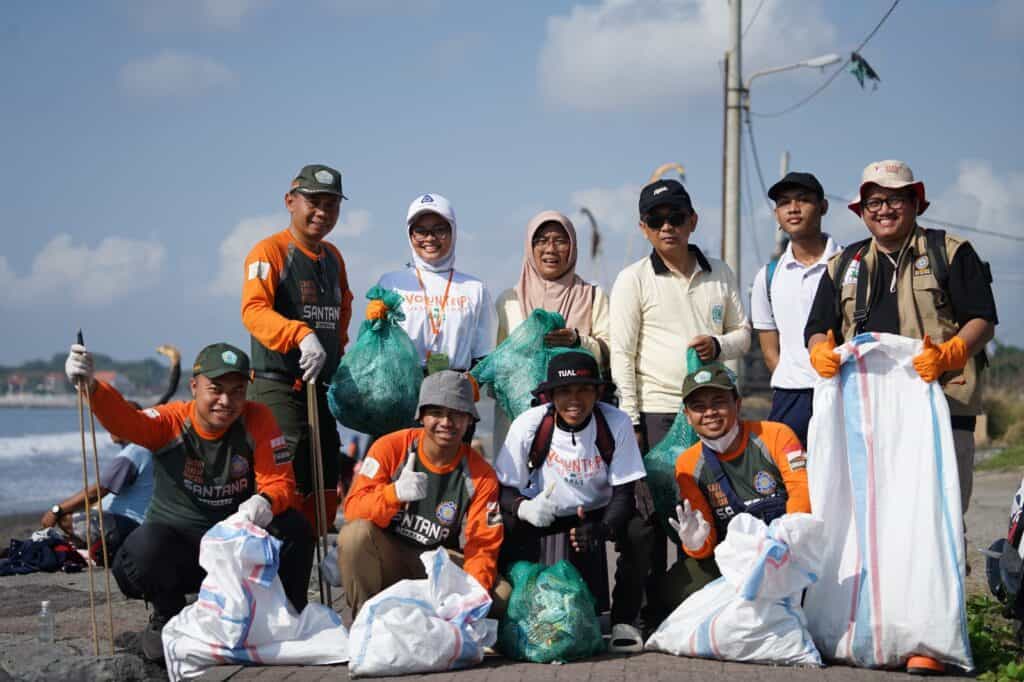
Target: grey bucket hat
x,y
448,389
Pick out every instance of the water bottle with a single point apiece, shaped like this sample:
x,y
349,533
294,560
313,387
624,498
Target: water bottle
x,y
47,624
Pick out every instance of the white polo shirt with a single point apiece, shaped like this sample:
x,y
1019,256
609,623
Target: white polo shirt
x,y
793,287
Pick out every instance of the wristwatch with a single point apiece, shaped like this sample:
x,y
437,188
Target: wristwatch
x,y
56,510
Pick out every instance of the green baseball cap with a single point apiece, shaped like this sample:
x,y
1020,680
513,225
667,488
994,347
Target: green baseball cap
x,y
219,359
318,179
713,375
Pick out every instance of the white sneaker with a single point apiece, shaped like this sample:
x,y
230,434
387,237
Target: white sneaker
x,y
625,639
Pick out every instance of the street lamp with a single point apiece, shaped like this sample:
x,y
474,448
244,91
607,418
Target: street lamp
x,y
813,63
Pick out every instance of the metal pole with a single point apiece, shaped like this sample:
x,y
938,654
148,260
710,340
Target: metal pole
x,y
734,100
781,240
725,147
319,498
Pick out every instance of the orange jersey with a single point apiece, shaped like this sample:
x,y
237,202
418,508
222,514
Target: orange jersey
x,y
200,477
290,292
462,499
766,452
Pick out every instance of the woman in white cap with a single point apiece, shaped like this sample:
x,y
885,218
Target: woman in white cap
x,y
448,314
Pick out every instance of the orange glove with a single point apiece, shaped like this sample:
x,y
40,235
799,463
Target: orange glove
x,y
376,310
824,361
934,361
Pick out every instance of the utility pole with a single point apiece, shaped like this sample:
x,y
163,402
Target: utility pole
x,y
734,100
781,240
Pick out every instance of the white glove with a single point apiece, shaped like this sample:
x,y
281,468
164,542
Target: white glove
x,y
313,357
256,510
79,366
540,511
411,485
690,526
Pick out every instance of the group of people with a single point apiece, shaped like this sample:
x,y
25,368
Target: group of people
x,y
572,466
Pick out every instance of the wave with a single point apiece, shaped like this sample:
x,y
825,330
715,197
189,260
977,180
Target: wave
x,y
54,446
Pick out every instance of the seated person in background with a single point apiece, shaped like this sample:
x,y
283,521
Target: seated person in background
x,y
126,485
571,465
213,456
418,489
756,467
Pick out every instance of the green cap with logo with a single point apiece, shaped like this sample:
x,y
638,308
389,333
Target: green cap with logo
x,y
317,178
219,359
712,375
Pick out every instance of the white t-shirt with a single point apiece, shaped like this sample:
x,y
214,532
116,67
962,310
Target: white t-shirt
x,y
793,288
580,475
467,328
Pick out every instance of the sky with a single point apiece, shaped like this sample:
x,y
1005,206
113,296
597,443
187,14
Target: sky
x,y
147,145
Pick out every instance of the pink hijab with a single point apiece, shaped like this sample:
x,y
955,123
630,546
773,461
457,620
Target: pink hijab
x,y
569,294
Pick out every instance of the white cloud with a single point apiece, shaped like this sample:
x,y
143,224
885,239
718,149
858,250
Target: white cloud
x,y
613,208
63,271
630,54
213,15
174,74
235,248
353,223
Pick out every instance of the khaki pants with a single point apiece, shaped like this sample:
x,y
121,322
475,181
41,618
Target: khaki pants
x,y
371,559
963,444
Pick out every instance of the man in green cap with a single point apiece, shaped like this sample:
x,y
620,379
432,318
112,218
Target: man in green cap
x,y
214,456
296,304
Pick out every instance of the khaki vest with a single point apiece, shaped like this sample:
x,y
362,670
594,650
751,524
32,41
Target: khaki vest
x,y
924,308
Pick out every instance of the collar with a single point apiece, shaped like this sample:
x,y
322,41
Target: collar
x,y
787,259
562,425
661,269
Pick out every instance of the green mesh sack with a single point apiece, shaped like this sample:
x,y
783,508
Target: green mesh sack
x,y
552,616
377,384
660,462
519,363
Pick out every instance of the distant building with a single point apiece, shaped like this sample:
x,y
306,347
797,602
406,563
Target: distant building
x,y
117,380
16,384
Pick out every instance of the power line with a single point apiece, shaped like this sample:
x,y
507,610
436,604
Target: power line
x,y
757,164
817,91
753,18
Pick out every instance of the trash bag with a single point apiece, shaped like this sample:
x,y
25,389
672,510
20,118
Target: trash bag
x,y
242,614
551,616
420,626
752,613
660,462
519,363
377,383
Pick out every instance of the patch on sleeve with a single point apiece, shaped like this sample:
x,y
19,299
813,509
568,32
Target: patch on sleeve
x,y
369,467
151,413
797,460
493,514
282,455
259,270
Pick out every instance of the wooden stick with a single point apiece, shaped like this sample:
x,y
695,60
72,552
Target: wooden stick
x,y
99,506
88,514
319,498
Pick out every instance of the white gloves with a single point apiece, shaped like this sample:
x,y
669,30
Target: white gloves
x,y
313,357
256,510
79,366
690,526
411,485
540,511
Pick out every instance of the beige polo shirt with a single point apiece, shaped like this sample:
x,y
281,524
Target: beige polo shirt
x,y
655,313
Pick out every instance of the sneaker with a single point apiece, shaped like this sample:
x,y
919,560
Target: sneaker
x,y
923,665
625,639
151,640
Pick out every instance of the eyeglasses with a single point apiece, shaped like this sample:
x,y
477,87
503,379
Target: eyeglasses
x,y
440,232
321,201
895,202
557,242
656,222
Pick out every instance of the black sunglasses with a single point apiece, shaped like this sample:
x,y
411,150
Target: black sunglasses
x,y
656,222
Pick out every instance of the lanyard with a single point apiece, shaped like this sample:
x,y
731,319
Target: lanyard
x,y
435,325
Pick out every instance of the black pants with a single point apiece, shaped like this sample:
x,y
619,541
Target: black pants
x,y
160,563
522,543
793,407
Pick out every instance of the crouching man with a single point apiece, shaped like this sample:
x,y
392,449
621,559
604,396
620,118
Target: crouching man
x,y
422,488
570,465
214,455
757,467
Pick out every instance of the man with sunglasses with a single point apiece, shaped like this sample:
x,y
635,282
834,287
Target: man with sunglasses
x,y
676,298
296,304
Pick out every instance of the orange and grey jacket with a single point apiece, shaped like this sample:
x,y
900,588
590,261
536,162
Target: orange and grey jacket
x,y
462,498
199,478
768,455
290,292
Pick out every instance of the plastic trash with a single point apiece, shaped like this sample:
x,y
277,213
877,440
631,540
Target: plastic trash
x,y
377,383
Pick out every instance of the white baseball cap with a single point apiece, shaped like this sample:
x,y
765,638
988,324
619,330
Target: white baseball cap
x,y
431,203
890,174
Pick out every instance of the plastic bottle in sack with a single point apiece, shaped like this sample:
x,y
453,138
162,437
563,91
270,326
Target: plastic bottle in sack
x,y
47,625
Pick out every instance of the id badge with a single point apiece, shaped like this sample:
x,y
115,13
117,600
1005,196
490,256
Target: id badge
x,y
437,362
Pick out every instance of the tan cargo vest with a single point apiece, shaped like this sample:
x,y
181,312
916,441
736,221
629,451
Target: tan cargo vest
x,y
924,308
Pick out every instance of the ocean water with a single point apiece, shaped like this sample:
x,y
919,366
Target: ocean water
x,y
41,456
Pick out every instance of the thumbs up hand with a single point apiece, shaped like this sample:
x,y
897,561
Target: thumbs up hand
x,y
540,511
411,485
934,361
